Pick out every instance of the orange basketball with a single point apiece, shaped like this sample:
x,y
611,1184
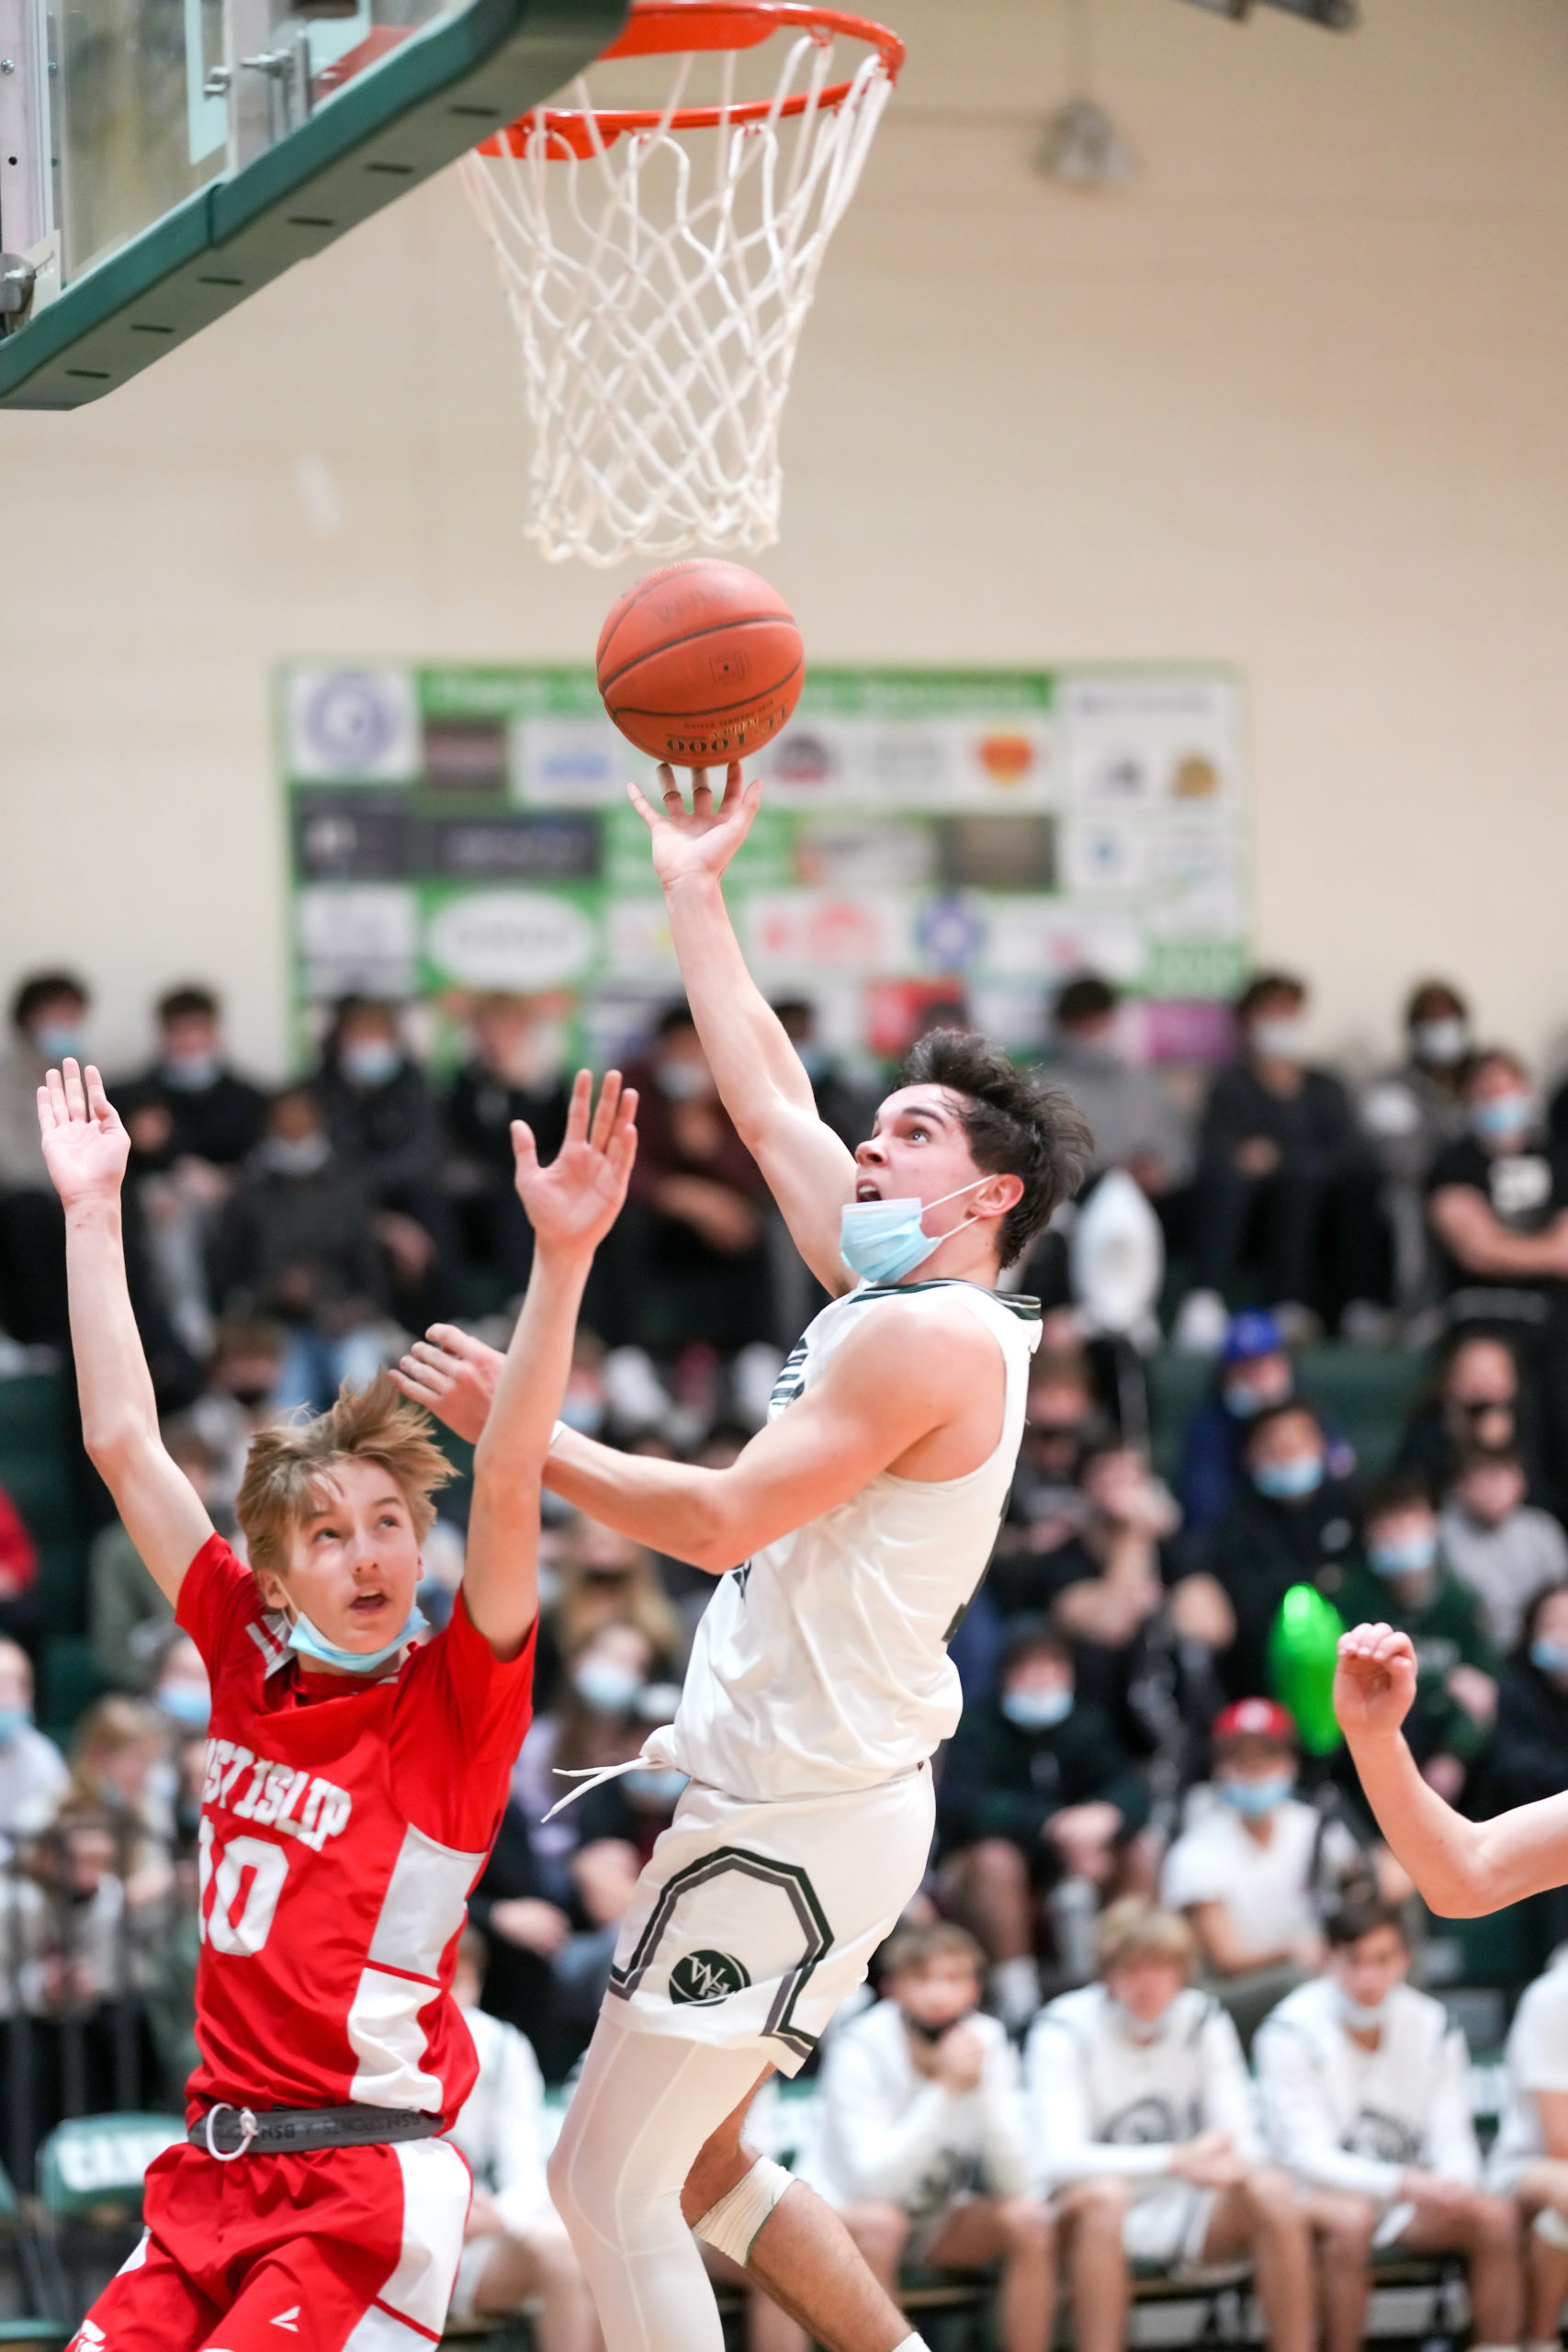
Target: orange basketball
x,y
701,662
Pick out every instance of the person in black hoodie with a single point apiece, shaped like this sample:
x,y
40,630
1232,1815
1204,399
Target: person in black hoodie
x,y
381,1117
515,1072
1036,1787
1293,1522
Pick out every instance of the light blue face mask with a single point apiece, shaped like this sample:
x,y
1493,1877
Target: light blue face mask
x,y
57,1041
1037,1710
1411,1558
1551,1657
1255,1798
371,1064
1502,1115
12,1721
184,1705
1244,1402
304,1638
1287,1482
884,1241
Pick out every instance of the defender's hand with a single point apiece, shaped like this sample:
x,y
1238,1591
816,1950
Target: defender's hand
x,y
572,1204
1374,1683
453,1375
85,1145
703,841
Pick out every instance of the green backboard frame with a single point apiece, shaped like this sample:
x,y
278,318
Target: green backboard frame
x,y
436,95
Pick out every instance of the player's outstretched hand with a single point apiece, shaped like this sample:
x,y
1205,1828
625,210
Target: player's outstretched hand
x,y
702,840
453,1375
1374,1682
85,1145
573,1203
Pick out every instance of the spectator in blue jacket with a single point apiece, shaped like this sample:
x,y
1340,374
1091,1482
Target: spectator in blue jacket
x,y
1255,1373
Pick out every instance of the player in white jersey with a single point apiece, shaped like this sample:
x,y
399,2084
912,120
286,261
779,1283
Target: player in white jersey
x,y
1529,2156
849,1535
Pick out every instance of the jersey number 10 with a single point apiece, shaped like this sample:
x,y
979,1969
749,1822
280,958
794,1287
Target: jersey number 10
x,y
246,1877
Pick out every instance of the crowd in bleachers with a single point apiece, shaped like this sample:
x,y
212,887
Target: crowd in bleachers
x,y
1145,1874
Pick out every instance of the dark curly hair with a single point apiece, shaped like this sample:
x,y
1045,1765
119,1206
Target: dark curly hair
x,y
1018,1124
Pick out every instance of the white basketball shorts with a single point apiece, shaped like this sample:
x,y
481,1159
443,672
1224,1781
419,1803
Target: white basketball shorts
x,y
751,1923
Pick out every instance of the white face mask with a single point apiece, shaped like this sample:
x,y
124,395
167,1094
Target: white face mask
x,y
1280,1039
1442,1043
1361,2017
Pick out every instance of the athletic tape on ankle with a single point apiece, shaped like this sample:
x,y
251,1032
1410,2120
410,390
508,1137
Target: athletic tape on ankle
x,y
732,2224
1550,2225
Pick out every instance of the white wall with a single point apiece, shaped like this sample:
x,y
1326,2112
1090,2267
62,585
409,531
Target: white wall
x,y
1295,401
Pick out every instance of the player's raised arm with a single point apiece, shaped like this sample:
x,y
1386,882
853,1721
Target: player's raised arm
x,y
1462,1868
86,1150
757,1070
571,1206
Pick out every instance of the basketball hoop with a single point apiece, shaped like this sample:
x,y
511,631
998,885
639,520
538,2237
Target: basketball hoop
x,y
659,294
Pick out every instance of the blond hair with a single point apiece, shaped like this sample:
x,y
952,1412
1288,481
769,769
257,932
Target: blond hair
x,y
289,1470
908,1952
1135,1928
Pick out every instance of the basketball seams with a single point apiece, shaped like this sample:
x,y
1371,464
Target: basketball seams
x,y
711,715
687,637
694,637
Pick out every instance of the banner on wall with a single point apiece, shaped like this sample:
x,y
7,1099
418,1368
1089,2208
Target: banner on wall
x,y
925,836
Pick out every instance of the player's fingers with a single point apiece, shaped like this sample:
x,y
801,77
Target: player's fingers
x,y
454,1342
418,1391
648,814
99,1104
733,788
627,1116
670,789
431,1362
577,1109
524,1150
76,1101
57,1102
45,1111
604,1110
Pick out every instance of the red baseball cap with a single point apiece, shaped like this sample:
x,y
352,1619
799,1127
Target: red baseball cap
x,y
1254,1719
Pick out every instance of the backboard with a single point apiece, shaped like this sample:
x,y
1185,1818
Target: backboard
x,y
162,160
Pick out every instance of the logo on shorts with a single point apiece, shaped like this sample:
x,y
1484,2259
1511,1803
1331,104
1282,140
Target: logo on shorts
x,y
699,1976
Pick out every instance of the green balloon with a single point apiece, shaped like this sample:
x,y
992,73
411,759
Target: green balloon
x,y
1304,1646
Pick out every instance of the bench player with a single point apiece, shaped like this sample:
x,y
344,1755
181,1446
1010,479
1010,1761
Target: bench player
x,y
848,1537
354,1784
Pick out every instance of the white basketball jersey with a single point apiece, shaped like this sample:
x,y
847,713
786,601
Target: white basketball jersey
x,y
821,1665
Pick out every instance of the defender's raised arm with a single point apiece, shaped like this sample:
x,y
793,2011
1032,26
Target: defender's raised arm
x,y
757,1073
86,1150
571,1206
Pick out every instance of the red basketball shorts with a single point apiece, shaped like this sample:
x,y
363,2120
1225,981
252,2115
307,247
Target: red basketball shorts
x,y
346,2250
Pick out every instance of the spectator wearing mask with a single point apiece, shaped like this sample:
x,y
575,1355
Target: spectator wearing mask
x,y
1497,1202
1365,2084
180,1689
49,1012
1475,1399
1142,2123
1409,1115
1046,1506
212,1114
120,1763
33,1778
1285,1184
1136,1122
516,2249
1293,1522
1529,2156
696,1262
1038,1798
297,1243
1255,1373
606,1580
127,1618
518,1051
238,1396
381,1117
1403,1579
1257,1867
1506,1550
1529,1747
923,2147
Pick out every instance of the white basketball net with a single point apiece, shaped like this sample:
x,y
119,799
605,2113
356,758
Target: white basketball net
x,y
659,311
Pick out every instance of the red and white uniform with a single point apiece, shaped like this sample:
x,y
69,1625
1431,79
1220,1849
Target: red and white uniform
x,y
341,1837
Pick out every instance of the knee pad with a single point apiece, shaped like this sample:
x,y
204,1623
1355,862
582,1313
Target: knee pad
x,y
732,2224
1550,2225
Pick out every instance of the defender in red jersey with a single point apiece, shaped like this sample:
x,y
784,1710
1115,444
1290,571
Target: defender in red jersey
x,y
354,1782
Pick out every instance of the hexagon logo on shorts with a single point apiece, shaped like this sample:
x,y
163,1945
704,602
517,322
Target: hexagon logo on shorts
x,y
699,1976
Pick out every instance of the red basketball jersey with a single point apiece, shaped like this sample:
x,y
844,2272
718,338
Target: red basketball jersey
x,y
341,1838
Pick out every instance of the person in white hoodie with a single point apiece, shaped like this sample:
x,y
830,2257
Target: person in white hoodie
x,y
1142,2124
516,2249
923,2147
1529,2156
1365,2085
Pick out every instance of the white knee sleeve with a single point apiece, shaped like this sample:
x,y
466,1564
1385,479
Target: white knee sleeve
x,y
732,2224
1550,2225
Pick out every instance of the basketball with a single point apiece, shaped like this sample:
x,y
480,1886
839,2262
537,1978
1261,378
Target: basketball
x,y
700,663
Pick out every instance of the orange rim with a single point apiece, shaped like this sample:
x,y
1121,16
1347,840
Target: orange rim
x,y
674,27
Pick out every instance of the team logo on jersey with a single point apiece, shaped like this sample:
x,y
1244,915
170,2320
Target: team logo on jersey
x,y
699,1976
